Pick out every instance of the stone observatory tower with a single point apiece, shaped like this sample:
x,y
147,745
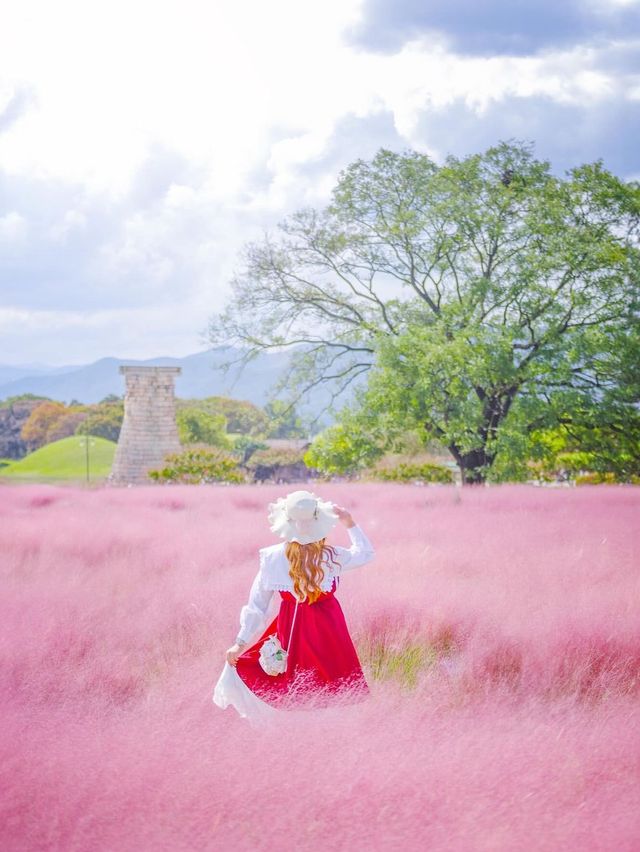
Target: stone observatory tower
x,y
149,429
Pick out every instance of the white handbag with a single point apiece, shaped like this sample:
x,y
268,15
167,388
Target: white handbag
x,y
273,657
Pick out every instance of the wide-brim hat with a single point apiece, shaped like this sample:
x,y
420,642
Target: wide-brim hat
x,y
302,516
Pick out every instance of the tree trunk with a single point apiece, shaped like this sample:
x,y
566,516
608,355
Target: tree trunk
x,y
473,476
473,465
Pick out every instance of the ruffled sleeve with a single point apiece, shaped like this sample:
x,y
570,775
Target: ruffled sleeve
x,y
254,615
360,552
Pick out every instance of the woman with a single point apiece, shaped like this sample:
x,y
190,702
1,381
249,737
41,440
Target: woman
x,y
322,662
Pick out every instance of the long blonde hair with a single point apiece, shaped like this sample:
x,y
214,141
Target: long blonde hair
x,y
305,566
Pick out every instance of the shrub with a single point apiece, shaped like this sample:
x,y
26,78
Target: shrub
x,y
275,457
596,478
276,463
198,466
407,472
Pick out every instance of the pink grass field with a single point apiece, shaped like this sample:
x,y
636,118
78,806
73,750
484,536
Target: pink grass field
x,y
498,627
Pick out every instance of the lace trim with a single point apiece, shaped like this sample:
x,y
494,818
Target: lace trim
x,y
281,587
283,583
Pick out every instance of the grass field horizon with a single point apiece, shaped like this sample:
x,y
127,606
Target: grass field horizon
x,y
62,460
497,628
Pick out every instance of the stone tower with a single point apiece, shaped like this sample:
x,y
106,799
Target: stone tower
x,y
149,429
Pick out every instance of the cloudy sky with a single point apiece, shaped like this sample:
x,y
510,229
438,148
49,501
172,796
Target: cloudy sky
x,y
142,143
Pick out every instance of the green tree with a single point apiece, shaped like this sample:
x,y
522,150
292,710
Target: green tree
x,y
350,445
105,420
245,446
24,397
484,299
241,415
198,427
50,421
284,422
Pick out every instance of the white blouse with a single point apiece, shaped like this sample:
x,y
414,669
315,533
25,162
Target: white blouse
x,y
273,575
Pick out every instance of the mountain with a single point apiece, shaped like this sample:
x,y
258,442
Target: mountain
x,y
201,377
13,372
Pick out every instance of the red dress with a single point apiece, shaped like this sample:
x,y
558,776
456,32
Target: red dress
x,y
322,661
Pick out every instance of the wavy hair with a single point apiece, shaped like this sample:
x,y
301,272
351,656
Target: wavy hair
x,y
305,566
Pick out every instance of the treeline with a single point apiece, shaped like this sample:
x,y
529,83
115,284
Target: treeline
x,y
28,422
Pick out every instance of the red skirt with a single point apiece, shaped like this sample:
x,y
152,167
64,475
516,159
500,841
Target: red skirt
x,y
322,661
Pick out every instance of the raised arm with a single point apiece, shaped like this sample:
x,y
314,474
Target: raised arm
x,y
361,550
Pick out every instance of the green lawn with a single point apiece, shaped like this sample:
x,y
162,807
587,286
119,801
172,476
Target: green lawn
x,y
64,460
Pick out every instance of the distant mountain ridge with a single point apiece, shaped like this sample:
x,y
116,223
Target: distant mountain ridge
x,y
201,377
11,372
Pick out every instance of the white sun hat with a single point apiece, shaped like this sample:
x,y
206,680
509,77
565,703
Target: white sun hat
x,y
302,517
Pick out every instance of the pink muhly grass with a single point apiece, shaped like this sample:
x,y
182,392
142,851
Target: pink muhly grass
x,y
497,628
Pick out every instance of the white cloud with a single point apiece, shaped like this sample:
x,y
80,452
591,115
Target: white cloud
x,y
78,336
204,79
174,132
73,220
13,228
613,5
210,80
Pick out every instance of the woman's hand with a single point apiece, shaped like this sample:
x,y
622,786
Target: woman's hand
x,y
344,516
233,653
